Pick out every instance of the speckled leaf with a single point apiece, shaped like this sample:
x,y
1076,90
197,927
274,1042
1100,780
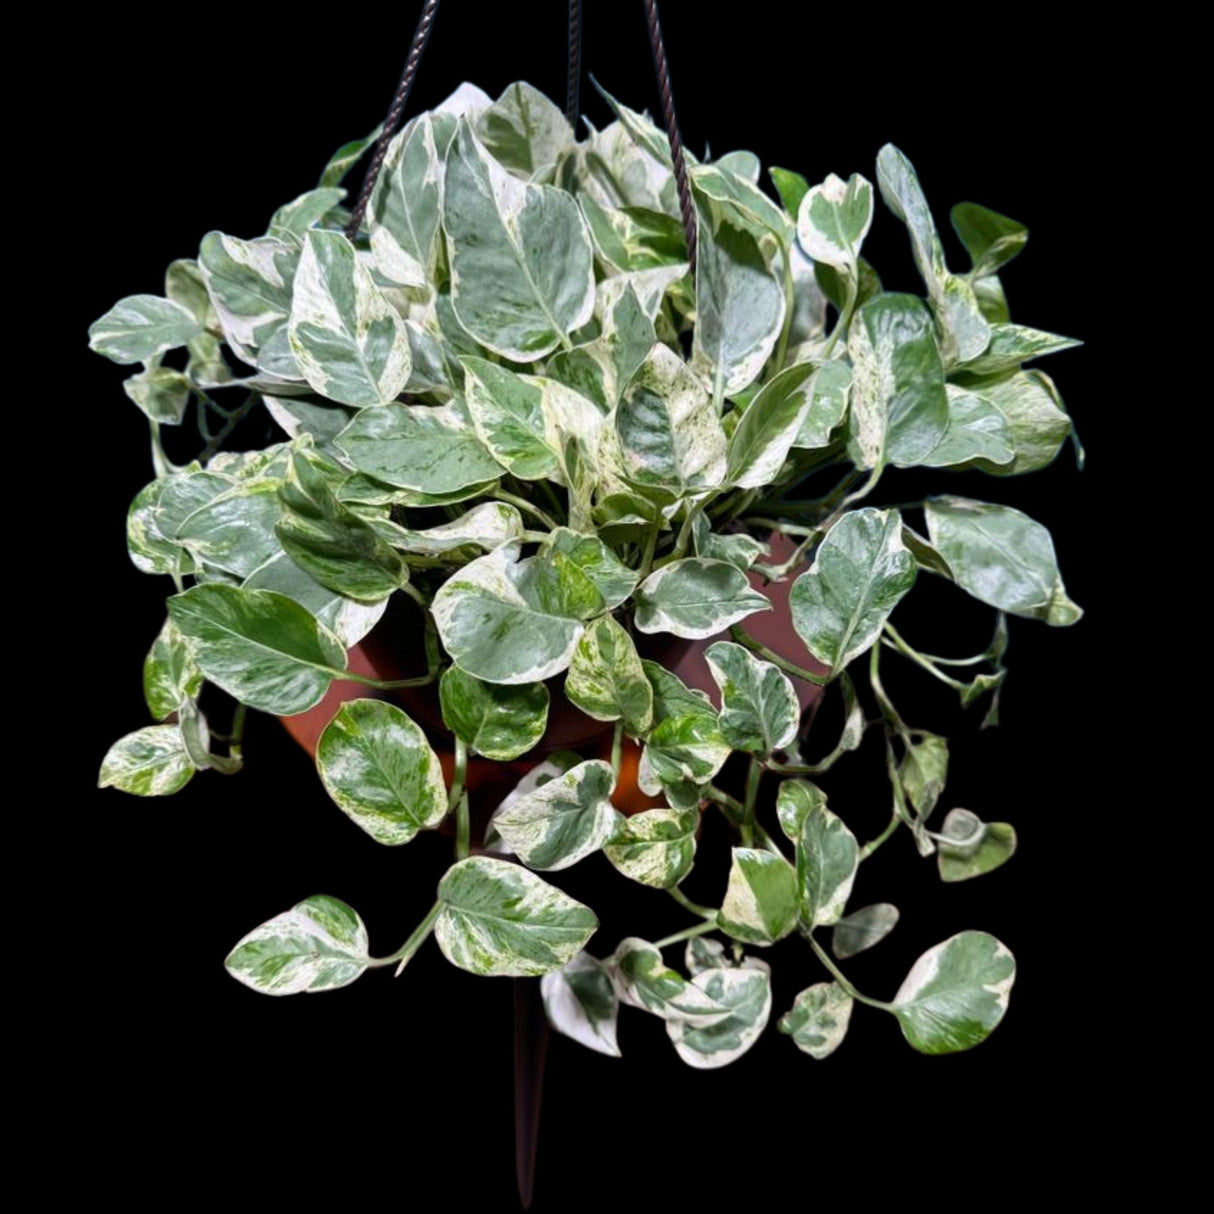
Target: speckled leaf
x,y
381,772
760,903
430,449
1012,345
863,928
828,392
976,431
486,526
827,858
720,191
979,846
349,341
645,981
859,575
1001,557
819,1018
739,300
150,535
581,1002
606,679
696,598
300,214
703,953
833,219
614,580
140,327
656,847
669,430
161,394
956,993
746,992
759,707
511,621
259,646
734,548
496,918
633,238
345,158
953,300
795,801
170,674
349,621
1036,422
899,409
991,239
562,821
522,268
769,427
496,721
318,945
523,131
924,771
686,742
234,530
151,762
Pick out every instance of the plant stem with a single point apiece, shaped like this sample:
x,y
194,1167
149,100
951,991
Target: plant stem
x,y
888,711
415,594
236,737
228,426
870,847
617,749
523,504
404,954
689,933
837,974
775,659
687,904
753,777
722,798
457,799
351,676
651,543
774,524
849,306
896,642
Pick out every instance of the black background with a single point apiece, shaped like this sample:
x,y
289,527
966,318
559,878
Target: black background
x,y
391,1087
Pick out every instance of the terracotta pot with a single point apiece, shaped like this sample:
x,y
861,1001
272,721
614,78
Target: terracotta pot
x,y
391,652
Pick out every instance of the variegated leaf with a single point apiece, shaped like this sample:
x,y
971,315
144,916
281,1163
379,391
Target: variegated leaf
x,y
827,858
347,619
696,598
685,742
606,679
859,575
976,431
746,991
581,1003
829,392
759,707
522,268
760,903
833,219
863,928
524,131
318,945
769,427
376,764
497,918
614,580
656,847
956,993
924,770
819,1018
1011,345
975,847
349,341
151,762
161,394
496,721
1036,421
795,801
704,953
345,158
170,673
991,239
141,327
296,217
234,530
645,981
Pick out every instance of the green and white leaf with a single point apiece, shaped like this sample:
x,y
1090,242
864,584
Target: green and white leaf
x,y
376,764
819,1018
318,945
770,426
656,847
234,530
1036,421
976,847
645,981
349,341
1001,557
704,953
295,218
828,396
259,646
924,771
486,526
522,267
977,430
581,1002
685,742
496,918
524,131
863,928
860,573
760,903
1011,345
606,679
759,707
151,762
561,821
614,580
170,674
795,801
160,393
499,722
736,548
696,598
991,239
956,993
833,219
346,157
827,858
746,992
140,328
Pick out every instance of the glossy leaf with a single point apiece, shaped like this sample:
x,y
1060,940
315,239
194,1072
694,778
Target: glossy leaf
x,y
978,847
795,801
151,762
486,526
833,219
298,216
318,945
819,1018
859,575
956,993
1036,422
827,858
656,847
1011,345
685,742
790,186
862,929
614,580
606,679
977,430
497,918
496,721
1001,557
746,992
759,707
259,646
562,821
160,393
760,903
170,674
768,429
141,327
991,239
581,1003
523,131
647,982
234,530
696,598
378,767
828,396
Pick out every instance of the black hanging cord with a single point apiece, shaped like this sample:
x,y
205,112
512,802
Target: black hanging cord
x,y
672,128
396,111
573,82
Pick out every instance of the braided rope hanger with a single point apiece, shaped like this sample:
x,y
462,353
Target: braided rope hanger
x,y
400,99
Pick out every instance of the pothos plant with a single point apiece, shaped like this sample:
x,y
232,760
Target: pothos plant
x,y
513,399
